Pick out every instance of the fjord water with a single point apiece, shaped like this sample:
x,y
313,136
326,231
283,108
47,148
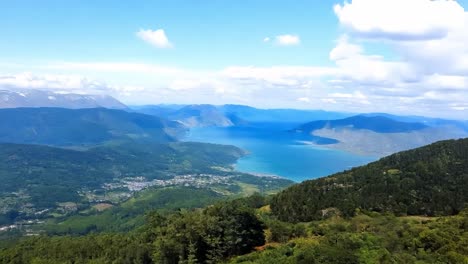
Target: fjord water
x,y
274,150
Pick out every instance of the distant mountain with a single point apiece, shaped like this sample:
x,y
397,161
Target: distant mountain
x,y
162,110
230,115
202,115
431,180
379,124
59,126
38,98
252,114
429,121
193,115
376,135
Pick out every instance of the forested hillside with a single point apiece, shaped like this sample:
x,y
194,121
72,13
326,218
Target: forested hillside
x,y
59,126
386,212
365,238
431,180
41,181
228,231
378,124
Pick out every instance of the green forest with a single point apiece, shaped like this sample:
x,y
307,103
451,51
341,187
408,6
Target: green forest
x,y
37,178
227,232
431,180
358,216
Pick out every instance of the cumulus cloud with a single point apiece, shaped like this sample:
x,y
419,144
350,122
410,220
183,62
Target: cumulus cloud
x,y
426,74
401,19
448,55
429,71
447,81
157,38
288,40
398,86
54,82
303,99
67,84
428,35
354,64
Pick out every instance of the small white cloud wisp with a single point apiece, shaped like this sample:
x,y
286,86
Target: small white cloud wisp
x,y
288,40
156,38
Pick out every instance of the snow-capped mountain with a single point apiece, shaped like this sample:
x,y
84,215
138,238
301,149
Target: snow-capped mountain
x,y
39,98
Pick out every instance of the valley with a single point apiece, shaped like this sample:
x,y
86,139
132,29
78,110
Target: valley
x,y
57,183
381,212
109,175
234,132
275,151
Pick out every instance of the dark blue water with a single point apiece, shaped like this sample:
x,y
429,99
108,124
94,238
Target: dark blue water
x,y
274,150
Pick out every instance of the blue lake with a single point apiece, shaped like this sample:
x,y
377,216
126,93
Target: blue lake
x,y
274,150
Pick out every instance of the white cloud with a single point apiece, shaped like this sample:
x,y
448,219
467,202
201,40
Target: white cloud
x,y
459,107
398,86
359,82
428,39
288,40
304,99
429,36
55,82
448,55
116,67
427,75
275,73
354,65
329,100
447,81
401,19
356,97
266,39
156,38
344,49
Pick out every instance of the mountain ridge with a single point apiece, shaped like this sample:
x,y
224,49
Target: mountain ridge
x,y
378,124
231,115
429,180
61,126
200,115
41,98
376,135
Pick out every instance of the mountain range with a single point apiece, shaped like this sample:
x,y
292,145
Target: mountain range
x,y
233,115
379,124
40,98
194,115
59,126
377,135
372,134
107,170
409,207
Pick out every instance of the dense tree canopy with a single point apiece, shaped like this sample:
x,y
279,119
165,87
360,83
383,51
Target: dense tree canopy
x,y
429,180
210,235
432,180
216,233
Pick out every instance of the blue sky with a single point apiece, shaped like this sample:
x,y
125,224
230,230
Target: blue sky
x,y
208,34
405,57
